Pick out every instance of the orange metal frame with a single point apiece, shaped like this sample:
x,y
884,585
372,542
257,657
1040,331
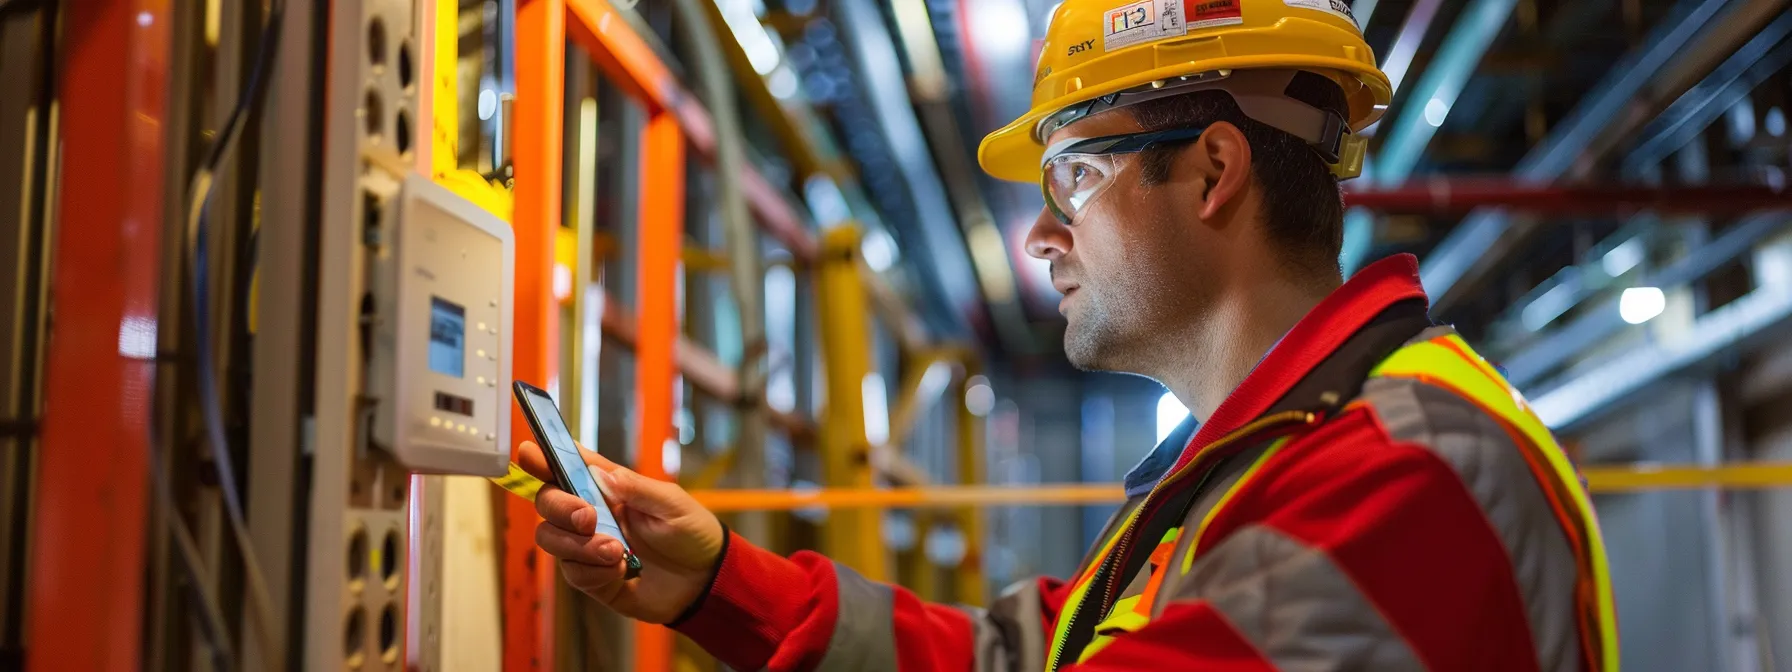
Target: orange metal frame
x,y
85,599
537,132
675,119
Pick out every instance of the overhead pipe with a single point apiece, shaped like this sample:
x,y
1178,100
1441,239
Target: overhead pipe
x,y
1758,318
870,46
1459,196
1601,323
1479,243
1700,106
932,102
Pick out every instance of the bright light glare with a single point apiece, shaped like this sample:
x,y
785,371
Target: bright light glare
x,y
979,397
671,457
782,84
877,409
1622,258
1170,413
879,250
1435,111
1641,304
562,282
1008,42
488,104
761,51
1775,122
137,337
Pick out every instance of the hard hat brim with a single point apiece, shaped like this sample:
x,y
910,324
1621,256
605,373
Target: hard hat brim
x,y
1012,152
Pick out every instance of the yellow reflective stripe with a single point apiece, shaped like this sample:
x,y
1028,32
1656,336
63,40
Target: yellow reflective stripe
x,y
1188,560
1440,362
1123,619
1061,630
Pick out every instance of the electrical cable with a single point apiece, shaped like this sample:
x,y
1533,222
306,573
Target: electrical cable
x,y
211,617
199,206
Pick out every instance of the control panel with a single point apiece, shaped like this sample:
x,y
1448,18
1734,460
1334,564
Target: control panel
x,y
439,375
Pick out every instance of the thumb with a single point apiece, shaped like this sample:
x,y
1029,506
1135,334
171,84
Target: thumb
x,y
640,493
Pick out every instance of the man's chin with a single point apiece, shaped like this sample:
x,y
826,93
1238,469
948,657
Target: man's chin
x,y
1084,352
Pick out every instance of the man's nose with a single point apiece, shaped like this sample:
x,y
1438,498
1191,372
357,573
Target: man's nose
x,y
1049,238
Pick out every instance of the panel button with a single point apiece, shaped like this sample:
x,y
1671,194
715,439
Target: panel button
x,y
481,380
482,352
435,421
482,326
460,428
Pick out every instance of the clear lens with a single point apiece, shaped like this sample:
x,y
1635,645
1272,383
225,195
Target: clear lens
x,y
1073,180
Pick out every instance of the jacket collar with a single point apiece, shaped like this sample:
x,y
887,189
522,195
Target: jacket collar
x,y
1322,332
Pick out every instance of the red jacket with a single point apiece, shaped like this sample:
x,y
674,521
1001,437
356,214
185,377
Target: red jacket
x,y
1400,529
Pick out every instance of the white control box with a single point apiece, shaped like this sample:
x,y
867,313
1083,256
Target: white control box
x,y
442,273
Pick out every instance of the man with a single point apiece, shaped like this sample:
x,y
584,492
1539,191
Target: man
x,y
1363,492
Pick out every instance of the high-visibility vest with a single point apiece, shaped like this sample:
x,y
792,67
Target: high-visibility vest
x,y
1448,363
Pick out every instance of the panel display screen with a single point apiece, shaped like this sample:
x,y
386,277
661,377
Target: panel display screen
x,y
453,404
447,338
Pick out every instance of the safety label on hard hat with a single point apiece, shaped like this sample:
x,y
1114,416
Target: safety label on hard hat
x,y
1337,7
1139,22
1210,13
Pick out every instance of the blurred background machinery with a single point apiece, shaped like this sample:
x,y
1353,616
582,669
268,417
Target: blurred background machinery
x,y
751,251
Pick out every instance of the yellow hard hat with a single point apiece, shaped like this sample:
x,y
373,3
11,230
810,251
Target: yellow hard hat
x,y
1101,50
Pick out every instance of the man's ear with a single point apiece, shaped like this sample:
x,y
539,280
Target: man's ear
x,y
1222,158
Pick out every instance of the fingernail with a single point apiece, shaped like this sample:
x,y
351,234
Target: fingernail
x,y
585,520
609,552
609,477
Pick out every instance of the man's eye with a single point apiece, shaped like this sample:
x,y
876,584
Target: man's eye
x,y
1083,173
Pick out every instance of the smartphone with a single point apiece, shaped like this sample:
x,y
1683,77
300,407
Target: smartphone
x,y
569,467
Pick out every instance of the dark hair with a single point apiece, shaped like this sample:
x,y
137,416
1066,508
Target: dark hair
x,y
1302,206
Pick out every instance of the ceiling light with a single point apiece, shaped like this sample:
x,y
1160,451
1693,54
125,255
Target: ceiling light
x,y
1641,304
1435,112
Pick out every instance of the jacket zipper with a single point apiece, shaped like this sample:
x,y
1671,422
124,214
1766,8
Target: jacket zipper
x,y
1101,580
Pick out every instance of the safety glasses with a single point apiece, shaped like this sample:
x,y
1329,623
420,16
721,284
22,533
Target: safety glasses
x,y
1076,172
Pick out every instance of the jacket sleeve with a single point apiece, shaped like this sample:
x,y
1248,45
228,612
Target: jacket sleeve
x,y
1358,553
767,612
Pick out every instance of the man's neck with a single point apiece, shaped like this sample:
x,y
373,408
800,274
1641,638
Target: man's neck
x,y
1228,342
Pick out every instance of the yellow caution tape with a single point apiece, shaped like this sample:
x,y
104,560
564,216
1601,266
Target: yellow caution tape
x,y
519,483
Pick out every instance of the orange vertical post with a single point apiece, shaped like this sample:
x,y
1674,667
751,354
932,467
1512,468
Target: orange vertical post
x,y
661,236
537,135
85,594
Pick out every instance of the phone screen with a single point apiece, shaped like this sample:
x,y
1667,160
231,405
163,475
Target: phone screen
x,y
564,452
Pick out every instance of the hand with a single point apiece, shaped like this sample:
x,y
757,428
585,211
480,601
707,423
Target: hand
x,y
679,542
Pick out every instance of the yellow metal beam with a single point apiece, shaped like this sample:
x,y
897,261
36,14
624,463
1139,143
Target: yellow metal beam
x,y
970,582
939,497
1600,480
1603,479
854,538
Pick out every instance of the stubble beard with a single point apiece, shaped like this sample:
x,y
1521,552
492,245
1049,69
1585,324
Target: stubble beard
x,y
1091,340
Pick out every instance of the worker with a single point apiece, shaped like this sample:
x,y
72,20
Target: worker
x,y
1362,492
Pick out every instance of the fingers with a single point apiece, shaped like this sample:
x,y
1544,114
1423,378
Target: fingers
x,y
565,510
639,493
534,460
598,550
530,457
602,582
594,459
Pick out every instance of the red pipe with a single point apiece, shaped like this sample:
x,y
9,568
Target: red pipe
x,y
1459,196
84,600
